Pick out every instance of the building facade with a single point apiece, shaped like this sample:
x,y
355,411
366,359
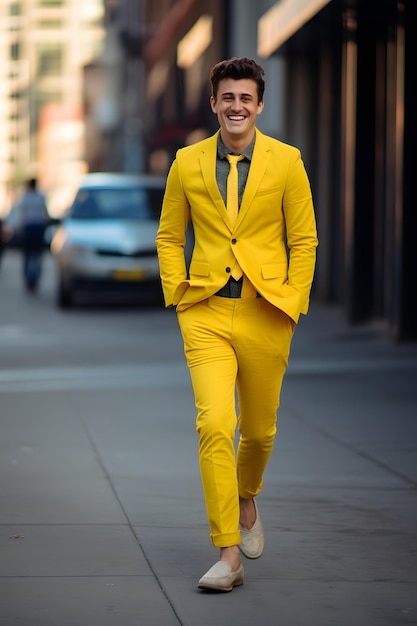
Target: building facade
x,y
350,103
44,45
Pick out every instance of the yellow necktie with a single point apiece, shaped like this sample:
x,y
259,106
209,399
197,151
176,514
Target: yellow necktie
x,y
232,199
232,204
232,196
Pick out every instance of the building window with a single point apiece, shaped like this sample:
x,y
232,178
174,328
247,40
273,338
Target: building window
x,y
15,8
51,3
50,24
50,60
15,51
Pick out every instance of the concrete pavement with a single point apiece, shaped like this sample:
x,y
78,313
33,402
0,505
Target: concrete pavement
x,y
100,489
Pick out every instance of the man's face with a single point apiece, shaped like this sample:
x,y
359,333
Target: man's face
x,y
237,107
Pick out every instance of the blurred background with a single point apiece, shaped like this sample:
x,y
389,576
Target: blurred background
x,y
120,85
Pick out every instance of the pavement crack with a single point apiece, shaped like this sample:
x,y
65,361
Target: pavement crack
x,y
352,448
129,523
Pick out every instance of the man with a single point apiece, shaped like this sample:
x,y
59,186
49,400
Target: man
x,y
249,279
31,220
2,240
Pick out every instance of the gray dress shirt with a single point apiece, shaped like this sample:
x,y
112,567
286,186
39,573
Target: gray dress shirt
x,y
222,168
233,288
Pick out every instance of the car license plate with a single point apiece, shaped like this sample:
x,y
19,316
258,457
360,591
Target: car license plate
x,y
129,275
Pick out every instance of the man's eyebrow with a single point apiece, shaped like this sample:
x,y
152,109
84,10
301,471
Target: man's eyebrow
x,y
231,93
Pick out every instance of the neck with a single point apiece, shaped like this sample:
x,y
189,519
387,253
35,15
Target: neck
x,y
236,144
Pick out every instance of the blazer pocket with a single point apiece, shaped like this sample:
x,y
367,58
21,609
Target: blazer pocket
x,y
274,270
268,191
200,268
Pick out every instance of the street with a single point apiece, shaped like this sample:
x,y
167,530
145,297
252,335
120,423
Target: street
x,y
102,516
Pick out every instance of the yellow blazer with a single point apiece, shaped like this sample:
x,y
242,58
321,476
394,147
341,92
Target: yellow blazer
x,y
274,239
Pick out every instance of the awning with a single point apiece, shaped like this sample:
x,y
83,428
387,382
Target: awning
x,y
283,20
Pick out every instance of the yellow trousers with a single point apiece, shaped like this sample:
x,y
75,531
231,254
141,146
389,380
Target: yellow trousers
x,y
243,344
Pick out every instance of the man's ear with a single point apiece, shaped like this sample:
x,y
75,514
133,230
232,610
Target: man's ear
x,y
213,104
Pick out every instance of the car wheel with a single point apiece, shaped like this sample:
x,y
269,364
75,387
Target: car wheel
x,y
64,296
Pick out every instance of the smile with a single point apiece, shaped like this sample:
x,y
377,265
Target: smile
x,y
236,118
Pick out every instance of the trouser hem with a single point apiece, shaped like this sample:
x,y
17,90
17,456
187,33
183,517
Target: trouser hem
x,y
225,540
248,495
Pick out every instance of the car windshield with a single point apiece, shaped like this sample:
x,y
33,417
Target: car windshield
x,y
136,203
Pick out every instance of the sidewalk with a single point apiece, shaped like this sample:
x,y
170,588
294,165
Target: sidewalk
x,y
113,517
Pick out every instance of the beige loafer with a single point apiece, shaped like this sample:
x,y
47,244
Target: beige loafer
x,y
252,541
221,578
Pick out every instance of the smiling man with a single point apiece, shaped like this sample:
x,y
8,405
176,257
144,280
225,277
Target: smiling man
x,y
237,105
249,200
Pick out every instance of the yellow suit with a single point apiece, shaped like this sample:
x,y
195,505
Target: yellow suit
x,y
237,341
277,200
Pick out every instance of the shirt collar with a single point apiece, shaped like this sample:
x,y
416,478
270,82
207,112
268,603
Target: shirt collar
x,y
222,150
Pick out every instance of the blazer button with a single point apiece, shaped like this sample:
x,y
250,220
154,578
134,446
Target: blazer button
x,y
234,241
228,270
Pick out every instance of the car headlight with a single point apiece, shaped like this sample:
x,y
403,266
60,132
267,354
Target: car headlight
x,y
61,245
58,241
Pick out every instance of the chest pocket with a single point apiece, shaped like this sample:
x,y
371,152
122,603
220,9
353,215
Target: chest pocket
x,y
268,191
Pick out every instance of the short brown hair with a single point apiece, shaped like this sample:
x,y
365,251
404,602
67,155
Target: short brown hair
x,y
237,68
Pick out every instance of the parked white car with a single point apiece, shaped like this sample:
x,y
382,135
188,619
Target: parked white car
x,y
105,246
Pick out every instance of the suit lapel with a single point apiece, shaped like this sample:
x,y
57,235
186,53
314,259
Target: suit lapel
x,y
259,163
260,160
208,170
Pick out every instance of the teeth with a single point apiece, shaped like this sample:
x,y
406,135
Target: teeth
x,y
236,118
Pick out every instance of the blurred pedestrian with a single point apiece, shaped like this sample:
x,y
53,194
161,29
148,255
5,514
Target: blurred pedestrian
x,y
2,240
249,279
30,220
